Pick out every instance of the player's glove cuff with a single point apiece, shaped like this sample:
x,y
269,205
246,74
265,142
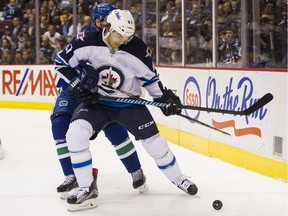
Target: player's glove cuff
x,y
174,106
171,109
85,96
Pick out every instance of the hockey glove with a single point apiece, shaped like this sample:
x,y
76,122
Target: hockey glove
x,y
85,96
88,76
174,106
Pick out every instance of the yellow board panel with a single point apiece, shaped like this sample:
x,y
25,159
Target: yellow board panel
x,y
257,163
26,105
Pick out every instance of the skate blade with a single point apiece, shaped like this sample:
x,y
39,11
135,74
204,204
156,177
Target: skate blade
x,y
88,204
143,188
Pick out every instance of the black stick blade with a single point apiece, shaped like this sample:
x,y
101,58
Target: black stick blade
x,y
260,103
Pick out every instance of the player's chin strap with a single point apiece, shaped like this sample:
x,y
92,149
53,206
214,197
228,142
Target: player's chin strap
x,y
105,36
133,99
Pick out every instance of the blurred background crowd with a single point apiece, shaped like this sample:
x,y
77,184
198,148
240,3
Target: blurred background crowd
x,y
266,40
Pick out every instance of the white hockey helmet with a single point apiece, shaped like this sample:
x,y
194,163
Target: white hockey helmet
x,y
122,22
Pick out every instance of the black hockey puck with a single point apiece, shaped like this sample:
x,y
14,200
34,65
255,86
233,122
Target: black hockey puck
x,y
217,204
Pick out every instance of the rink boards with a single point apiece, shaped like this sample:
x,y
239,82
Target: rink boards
x,y
258,142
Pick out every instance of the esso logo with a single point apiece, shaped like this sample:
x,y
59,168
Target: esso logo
x,y
192,96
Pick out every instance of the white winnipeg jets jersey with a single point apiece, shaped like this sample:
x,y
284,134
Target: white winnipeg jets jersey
x,y
127,69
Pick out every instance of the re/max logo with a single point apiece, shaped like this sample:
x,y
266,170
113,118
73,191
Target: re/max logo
x,y
38,82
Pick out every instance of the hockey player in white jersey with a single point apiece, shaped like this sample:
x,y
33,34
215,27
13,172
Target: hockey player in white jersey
x,y
117,58
61,115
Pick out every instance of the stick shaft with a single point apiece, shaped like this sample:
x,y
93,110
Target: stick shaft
x,y
257,105
260,103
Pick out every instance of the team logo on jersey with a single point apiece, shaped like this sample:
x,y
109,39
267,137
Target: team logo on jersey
x,y
110,76
80,36
148,52
63,103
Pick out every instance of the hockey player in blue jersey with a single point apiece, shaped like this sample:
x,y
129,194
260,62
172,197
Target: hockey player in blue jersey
x,y
63,109
117,58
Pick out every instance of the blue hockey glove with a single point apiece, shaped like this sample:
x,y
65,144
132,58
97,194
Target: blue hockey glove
x,y
88,76
174,106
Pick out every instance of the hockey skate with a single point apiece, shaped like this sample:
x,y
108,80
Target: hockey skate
x,y
84,198
69,184
139,181
186,185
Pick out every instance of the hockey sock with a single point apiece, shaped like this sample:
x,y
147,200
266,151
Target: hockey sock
x,y
127,154
77,138
82,165
169,166
125,149
60,126
158,149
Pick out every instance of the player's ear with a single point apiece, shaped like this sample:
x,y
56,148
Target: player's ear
x,y
97,23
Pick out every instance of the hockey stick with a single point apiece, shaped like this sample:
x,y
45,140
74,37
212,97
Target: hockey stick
x,y
257,105
137,99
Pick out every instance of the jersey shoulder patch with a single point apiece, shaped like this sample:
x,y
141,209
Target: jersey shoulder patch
x,y
139,49
90,38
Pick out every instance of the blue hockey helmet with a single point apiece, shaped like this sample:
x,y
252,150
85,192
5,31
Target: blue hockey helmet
x,y
102,10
